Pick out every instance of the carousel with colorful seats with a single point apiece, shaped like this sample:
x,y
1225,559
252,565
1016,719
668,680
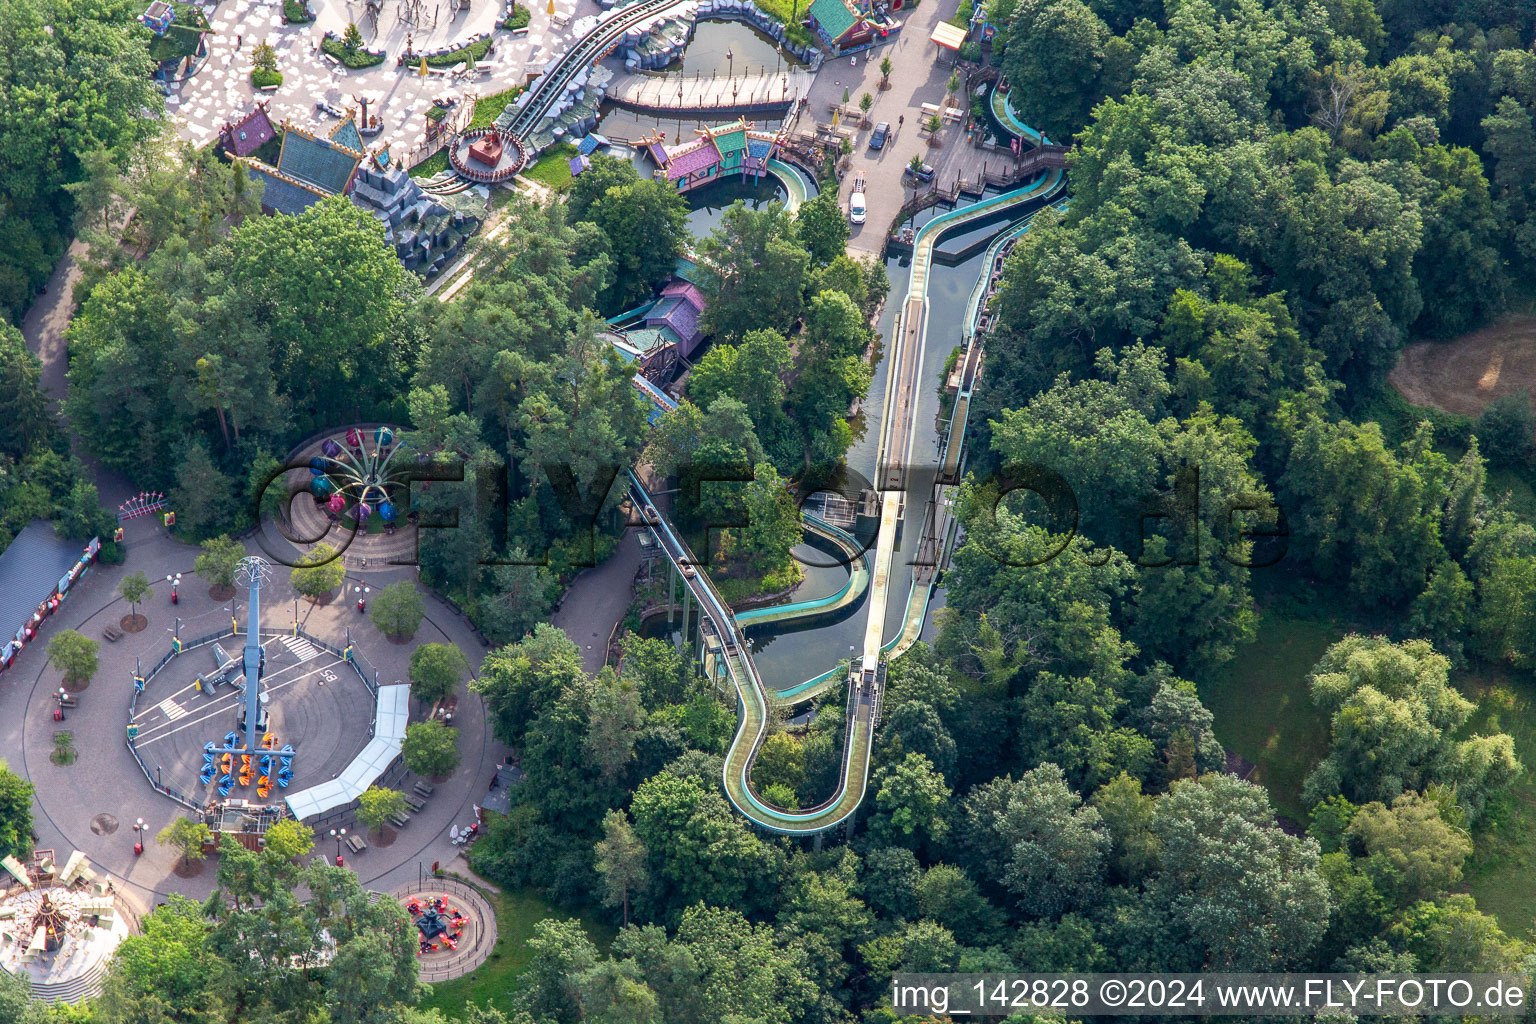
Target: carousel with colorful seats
x,y
357,482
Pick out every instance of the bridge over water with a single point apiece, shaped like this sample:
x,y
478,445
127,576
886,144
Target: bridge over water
x,y
709,96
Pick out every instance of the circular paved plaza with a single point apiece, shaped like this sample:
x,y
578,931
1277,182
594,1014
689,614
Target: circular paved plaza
x,y
92,804
316,703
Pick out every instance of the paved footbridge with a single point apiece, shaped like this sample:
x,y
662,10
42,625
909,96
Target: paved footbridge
x,y
726,647
678,94
542,99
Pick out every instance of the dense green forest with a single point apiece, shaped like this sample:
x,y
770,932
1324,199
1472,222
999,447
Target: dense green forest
x,y
1268,200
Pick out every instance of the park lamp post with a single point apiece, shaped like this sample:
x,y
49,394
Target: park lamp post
x,y
138,837
338,835
175,583
362,597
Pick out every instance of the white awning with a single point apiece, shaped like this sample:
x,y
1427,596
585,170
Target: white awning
x,y
390,718
948,36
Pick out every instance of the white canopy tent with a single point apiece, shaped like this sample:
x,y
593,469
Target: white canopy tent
x,y
390,717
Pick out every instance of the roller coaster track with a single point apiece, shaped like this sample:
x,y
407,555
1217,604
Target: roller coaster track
x,y
589,49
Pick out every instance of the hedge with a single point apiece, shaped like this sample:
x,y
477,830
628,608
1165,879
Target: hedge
x,y
452,57
354,59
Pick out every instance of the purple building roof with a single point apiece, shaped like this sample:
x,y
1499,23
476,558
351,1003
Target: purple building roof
x,y
679,308
693,157
687,289
246,135
658,153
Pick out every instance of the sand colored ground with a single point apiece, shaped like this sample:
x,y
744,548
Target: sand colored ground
x,y
1465,374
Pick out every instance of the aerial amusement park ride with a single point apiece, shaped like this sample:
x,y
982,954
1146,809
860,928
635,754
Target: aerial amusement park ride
x,y
352,480
236,759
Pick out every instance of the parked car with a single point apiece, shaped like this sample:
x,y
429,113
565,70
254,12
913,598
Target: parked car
x,y
922,173
879,135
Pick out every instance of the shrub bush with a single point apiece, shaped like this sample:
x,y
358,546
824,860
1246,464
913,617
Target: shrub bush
x,y
519,18
452,57
262,79
354,59
295,12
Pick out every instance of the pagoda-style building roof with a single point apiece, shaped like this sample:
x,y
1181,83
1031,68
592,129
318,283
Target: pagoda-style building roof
x,y
738,145
310,167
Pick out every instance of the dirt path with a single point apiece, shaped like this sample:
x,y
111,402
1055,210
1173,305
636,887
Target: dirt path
x,y
1467,373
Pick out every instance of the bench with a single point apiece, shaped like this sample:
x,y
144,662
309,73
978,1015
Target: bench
x,y
400,820
414,805
424,788
355,844
68,701
111,634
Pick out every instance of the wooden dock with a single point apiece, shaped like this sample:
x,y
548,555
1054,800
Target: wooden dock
x,y
764,93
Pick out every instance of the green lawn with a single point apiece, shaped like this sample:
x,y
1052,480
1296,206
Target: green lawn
x,y
1264,713
489,108
496,979
1499,872
434,164
553,168
1262,707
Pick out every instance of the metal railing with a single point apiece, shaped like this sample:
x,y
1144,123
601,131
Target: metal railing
x,y
208,638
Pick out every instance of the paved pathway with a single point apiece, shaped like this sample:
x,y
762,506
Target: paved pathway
x,y
919,74
221,89
597,600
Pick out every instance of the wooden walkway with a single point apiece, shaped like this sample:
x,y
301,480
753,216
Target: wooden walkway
x,y
671,95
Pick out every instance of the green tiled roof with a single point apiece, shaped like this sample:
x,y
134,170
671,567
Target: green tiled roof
x,y
731,138
347,135
834,17
316,162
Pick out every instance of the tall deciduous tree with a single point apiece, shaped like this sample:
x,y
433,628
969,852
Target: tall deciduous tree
x,y
430,748
378,804
317,573
186,836
646,225
621,861
398,609
217,560
74,654
28,419
1395,722
1053,61
1247,896
822,227
755,267
15,813
436,669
